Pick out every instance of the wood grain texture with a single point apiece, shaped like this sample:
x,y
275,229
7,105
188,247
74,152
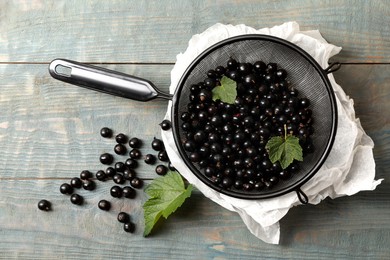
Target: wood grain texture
x,y
49,130
200,229
155,31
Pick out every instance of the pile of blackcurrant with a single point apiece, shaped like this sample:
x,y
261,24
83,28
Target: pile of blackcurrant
x,y
122,173
227,141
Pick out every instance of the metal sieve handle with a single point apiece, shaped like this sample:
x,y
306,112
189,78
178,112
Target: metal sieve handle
x,y
104,80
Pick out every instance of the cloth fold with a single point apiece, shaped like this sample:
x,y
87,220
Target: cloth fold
x,y
349,168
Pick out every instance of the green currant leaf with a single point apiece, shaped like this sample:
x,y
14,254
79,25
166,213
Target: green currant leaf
x,y
284,149
167,193
226,92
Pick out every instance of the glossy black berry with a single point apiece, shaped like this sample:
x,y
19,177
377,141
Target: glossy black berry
x,y
171,167
129,174
120,166
104,205
76,199
106,132
163,156
129,227
150,159
161,169
123,217
85,175
76,182
101,175
165,125
120,149
110,172
118,178
121,138
44,205
128,192
66,188
106,158
116,191
135,142
136,183
131,163
135,153
157,144
89,185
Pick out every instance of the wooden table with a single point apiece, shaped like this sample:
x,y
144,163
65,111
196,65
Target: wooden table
x,y
49,130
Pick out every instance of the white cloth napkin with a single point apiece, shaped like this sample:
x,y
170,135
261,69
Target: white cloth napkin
x,y
350,167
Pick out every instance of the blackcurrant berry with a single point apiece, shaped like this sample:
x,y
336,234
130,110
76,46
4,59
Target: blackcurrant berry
x,y
128,192
121,138
128,227
85,175
101,175
120,149
135,142
106,132
116,191
150,159
106,158
120,167
131,163
76,182
44,205
118,178
157,144
76,199
66,188
136,183
163,156
135,154
165,125
104,205
123,217
89,185
161,169
110,172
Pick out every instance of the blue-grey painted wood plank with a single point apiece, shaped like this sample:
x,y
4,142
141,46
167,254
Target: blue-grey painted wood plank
x,y
156,31
51,129
351,227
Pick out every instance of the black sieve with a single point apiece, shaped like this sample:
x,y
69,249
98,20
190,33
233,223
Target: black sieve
x,y
304,74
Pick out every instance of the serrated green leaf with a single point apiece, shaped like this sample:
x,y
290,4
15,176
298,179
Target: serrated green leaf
x,y
167,194
226,92
285,150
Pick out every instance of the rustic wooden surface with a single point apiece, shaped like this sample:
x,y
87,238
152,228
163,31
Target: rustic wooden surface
x,y
49,131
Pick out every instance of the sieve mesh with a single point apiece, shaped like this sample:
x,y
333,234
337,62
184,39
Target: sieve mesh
x,y
304,74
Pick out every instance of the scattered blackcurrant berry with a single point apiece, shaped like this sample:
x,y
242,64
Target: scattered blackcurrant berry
x,y
106,132
163,156
136,183
135,142
44,205
135,153
76,182
123,217
104,205
150,159
128,192
129,227
76,199
106,158
129,174
157,144
131,163
120,167
161,169
66,188
85,175
89,185
101,175
118,178
121,138
120,149
110,172
165,125
116,191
